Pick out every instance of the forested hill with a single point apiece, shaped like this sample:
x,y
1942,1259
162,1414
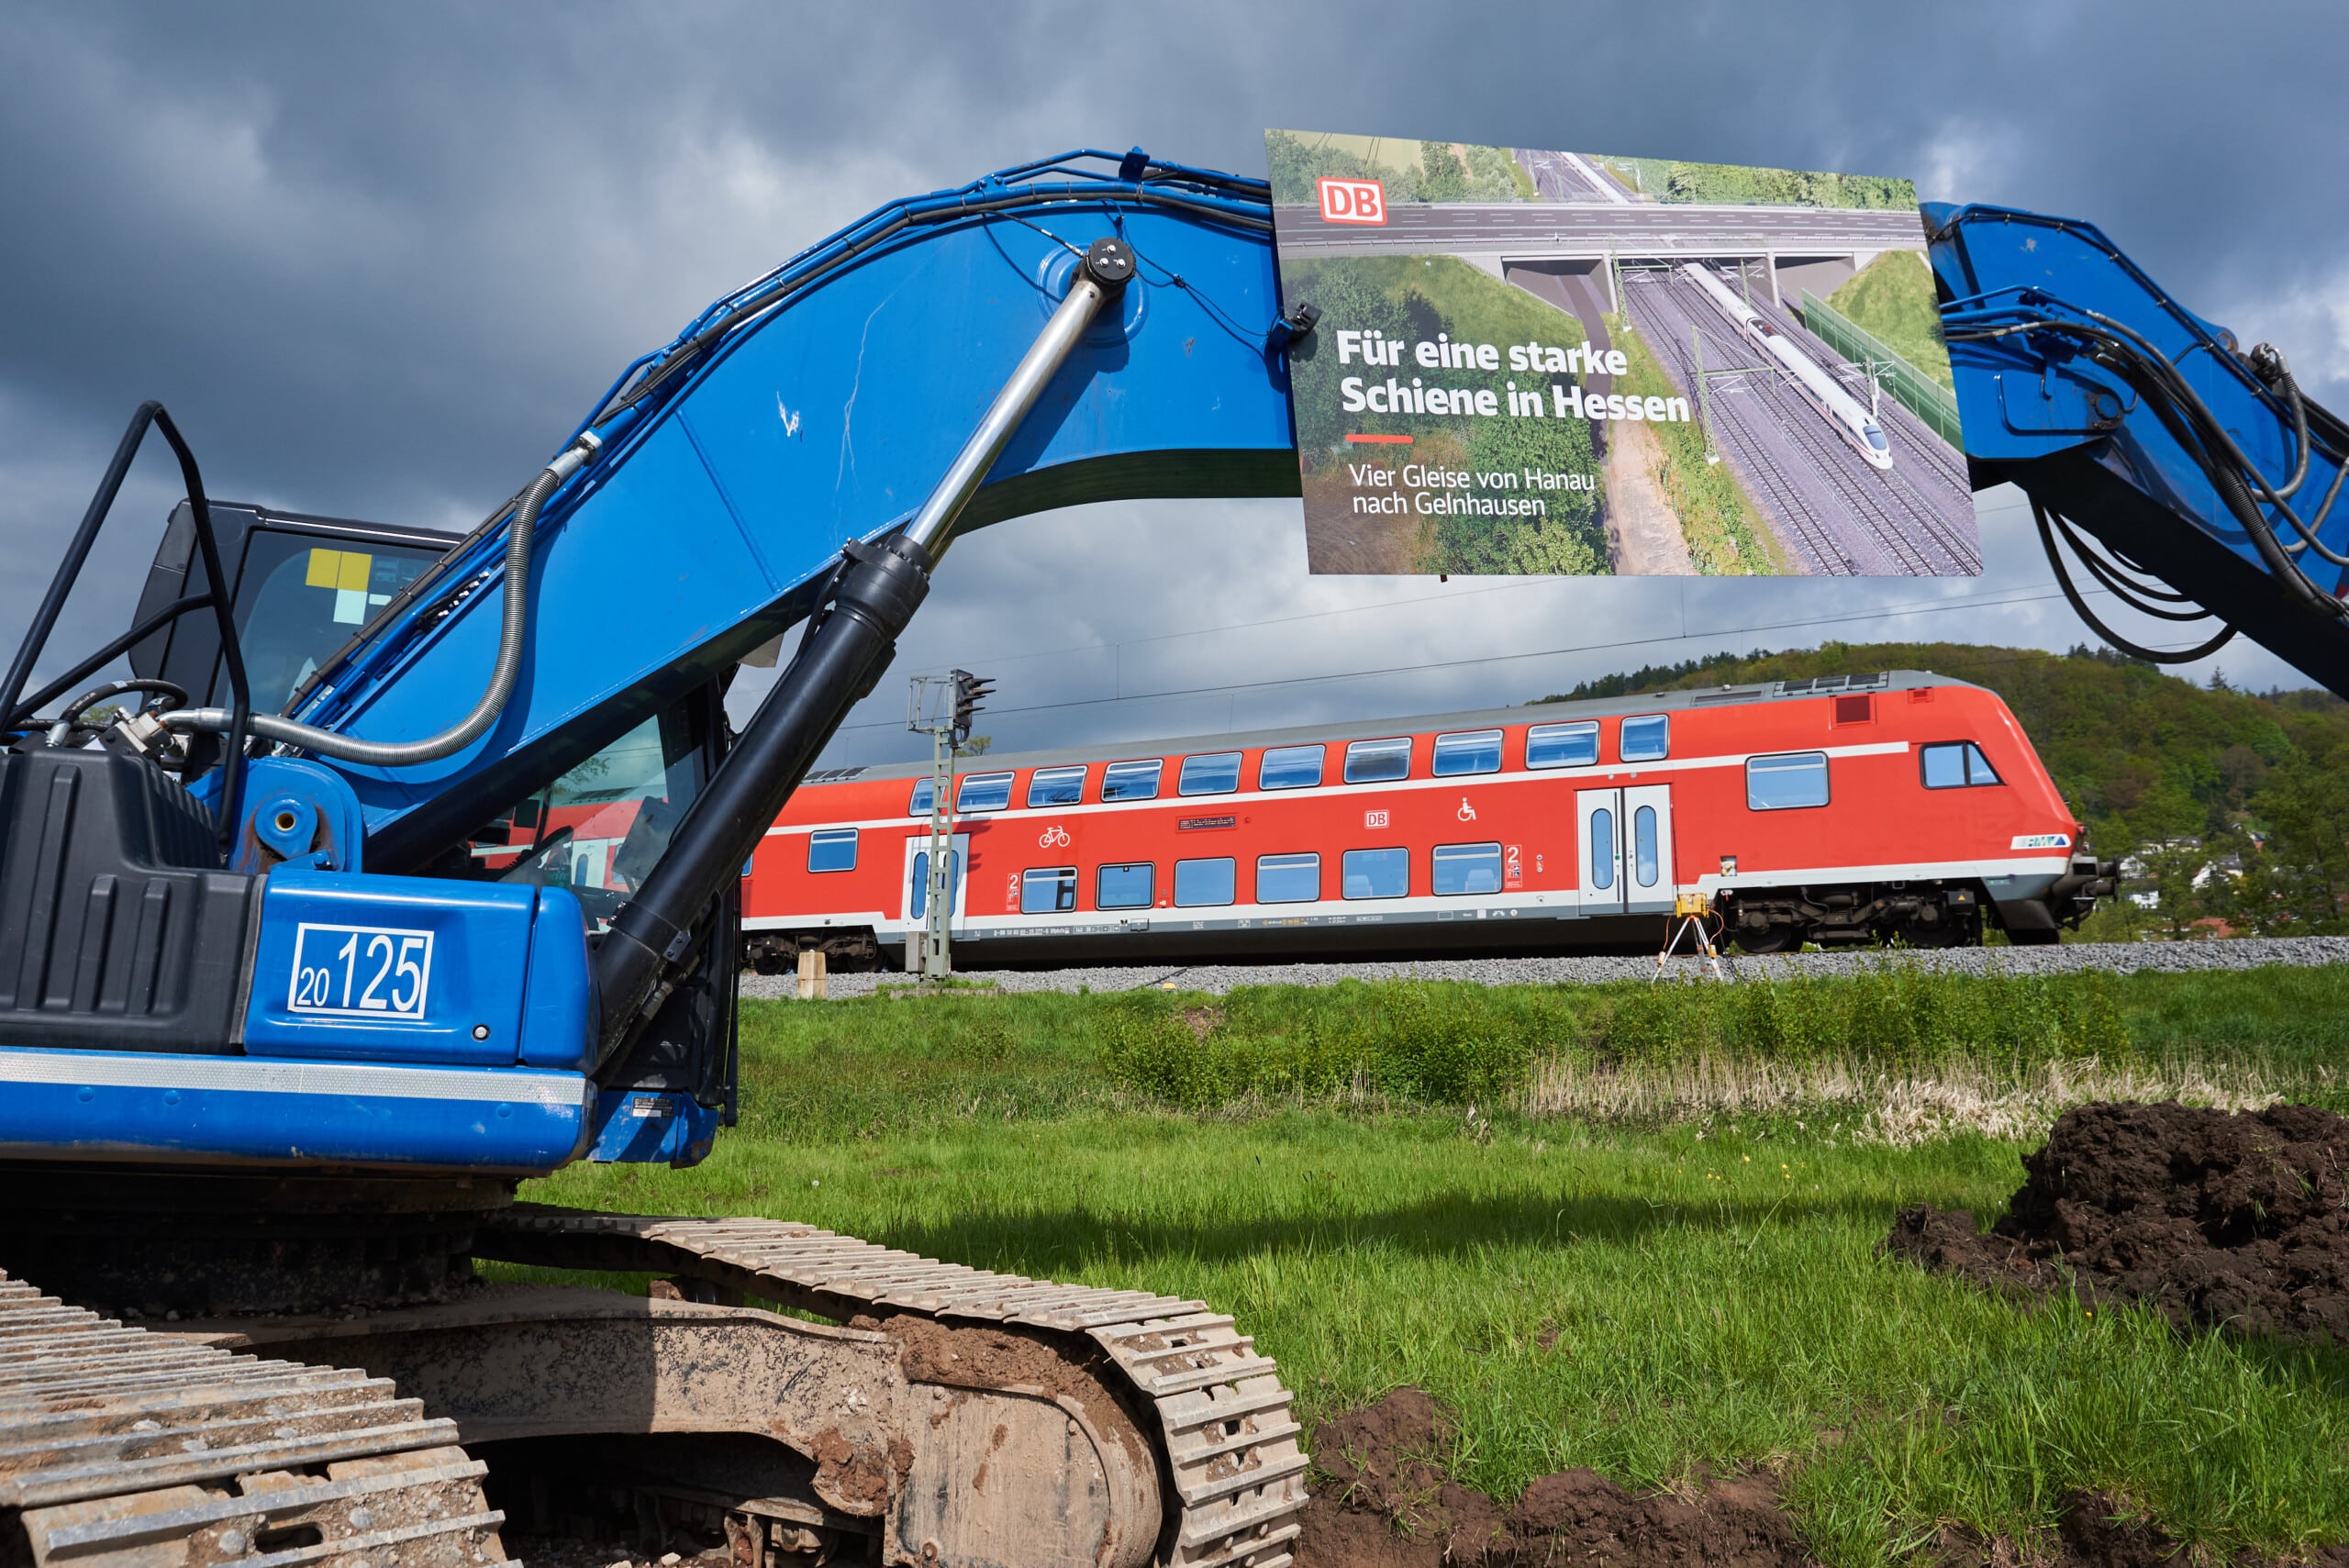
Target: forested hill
x,y
2141,755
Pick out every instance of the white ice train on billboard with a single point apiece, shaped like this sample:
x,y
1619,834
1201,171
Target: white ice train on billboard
x,y
1823,391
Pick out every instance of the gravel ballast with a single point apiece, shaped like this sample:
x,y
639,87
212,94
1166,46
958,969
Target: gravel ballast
x,y
2120,958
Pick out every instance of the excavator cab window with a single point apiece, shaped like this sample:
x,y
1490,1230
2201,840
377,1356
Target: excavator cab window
x,y
298,601
304,587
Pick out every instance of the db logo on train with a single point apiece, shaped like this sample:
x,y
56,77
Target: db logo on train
x,y
1353,201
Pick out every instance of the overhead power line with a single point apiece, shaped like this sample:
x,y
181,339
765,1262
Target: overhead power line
x,y
1931,606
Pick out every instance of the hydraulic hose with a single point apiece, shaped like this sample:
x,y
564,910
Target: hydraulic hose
x,y
512,631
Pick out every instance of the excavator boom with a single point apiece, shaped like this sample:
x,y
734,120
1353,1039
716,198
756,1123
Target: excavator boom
x,y
2209,478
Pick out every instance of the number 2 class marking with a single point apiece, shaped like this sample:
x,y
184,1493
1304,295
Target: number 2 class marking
x,y
360,972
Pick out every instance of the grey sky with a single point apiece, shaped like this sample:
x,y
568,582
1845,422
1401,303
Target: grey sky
x,y
378,261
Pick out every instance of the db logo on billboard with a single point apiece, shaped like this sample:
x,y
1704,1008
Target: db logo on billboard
x,y
1353,201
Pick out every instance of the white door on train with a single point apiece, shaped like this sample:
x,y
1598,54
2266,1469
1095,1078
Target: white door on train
x,y
1647,848
916,882
1598,829
1625,849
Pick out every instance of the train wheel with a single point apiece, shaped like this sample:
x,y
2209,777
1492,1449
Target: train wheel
x,y
1948,933
1777,938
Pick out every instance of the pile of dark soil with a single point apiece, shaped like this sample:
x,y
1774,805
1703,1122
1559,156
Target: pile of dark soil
x,y
1386,1501
1383,1500
2233,1221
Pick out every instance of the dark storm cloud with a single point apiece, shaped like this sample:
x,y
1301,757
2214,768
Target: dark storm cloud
x,y
380,259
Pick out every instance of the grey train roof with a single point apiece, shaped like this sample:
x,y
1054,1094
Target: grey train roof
x,y
1362,730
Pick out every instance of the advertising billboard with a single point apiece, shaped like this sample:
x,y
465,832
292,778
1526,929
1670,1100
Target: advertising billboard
x,y
1531,361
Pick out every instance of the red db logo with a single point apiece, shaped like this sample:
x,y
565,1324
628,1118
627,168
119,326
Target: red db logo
x,y
1353,201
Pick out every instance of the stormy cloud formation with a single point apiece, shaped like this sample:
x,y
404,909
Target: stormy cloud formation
x,y
379,261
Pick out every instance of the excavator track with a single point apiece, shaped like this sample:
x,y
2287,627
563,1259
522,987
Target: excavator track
x,y
1232,1466
125,1449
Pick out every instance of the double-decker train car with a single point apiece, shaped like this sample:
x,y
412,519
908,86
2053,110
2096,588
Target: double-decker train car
x,y
1842,809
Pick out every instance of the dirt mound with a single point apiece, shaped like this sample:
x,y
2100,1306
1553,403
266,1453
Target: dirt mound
x,y
1386,1503
2238,1221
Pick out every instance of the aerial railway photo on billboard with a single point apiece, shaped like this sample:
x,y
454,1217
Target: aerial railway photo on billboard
x,y
1531,361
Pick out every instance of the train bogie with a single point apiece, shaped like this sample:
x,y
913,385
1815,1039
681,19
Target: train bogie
x,y
1860,809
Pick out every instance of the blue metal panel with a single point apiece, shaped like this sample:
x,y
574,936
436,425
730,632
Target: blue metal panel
x,y
148,1104
356,967
297,807
829,417
559,1012
2032,394
641,1127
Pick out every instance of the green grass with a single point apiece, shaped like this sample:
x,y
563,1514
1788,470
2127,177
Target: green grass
x,y
1893,299
1708,1282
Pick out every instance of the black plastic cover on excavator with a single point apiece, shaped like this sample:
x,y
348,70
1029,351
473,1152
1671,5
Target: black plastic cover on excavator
x,y
119,929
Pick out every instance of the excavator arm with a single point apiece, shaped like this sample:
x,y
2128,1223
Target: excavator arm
x,y
274,1053
819,406
2204,478
802,453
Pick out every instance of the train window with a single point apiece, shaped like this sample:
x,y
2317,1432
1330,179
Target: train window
x,y
1131,781
1644,846
983,792
1376,761
1647,738
1561,745
1288,879
1470,751
1289,767
1785,781
1602,849
920,904
1205,881
1218,773
832,849
1056,786
1375,874
919,805
1956,764
1125,886
1050,891
1467,868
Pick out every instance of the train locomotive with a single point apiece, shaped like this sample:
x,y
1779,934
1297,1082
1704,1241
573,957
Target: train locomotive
x,y
1857,427
1842,809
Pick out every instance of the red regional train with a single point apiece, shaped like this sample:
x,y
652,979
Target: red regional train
x,y
1840,809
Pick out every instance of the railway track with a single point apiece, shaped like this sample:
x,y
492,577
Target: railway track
x,y
1893,522
1811,539
1826,453
1917,446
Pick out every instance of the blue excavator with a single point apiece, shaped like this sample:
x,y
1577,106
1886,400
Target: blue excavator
x,y
296,987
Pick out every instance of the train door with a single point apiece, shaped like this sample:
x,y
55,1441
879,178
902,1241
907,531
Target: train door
x,y
917,879
1647,848
1625,849
1598,828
